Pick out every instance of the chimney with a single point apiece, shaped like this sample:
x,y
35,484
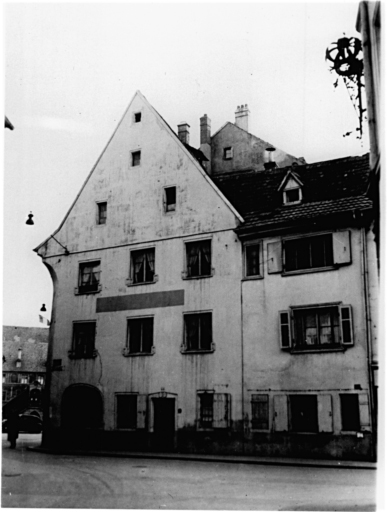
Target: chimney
x,y
205,140
270,164
242,117
205,130
183,132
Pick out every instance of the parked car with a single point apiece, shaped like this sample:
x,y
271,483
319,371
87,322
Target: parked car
x,y
28,423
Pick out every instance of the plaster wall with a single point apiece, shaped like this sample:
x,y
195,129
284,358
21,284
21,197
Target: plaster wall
x,y
248,151
268,368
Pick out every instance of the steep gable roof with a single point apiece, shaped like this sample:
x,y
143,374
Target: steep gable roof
x,y
329,188
196,157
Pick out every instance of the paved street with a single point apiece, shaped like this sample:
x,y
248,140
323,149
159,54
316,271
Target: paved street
x,y
32,479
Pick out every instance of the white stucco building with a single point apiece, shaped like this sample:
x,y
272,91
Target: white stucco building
x,y
225,312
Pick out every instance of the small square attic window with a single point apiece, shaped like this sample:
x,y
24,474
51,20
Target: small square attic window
x,y
136,158
292,196
137,117
228,153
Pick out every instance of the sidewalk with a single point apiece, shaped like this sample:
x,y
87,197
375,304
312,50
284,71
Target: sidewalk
x,y
238,459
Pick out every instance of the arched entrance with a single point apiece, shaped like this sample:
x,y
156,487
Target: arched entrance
x,y
82,407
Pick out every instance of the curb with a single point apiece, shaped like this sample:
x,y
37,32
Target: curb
x,y
216,458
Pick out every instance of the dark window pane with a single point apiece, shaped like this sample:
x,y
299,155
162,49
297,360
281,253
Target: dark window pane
x,y
137,117
192,331
311,252
147,335
170,199
198,258
205,331
126,411
350,419
89,276
260,411
134,336
143,265
317,327
303,413
252,260
292,195
206,410
140,332
136,158
84,339
102,213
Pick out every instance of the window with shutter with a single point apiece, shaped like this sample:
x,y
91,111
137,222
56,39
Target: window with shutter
x,y
285,329
316,328
325,417
260,412
274,257
364,412
222,412
342,247
280,413
346,325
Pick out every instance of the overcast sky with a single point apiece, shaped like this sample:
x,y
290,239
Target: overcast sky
x,y
71,70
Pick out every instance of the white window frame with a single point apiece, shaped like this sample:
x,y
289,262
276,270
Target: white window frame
x,y
285,198
228,153
291,331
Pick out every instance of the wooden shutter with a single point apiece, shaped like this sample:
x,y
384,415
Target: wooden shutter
x,y
341,247
346,325
285,330
221,410
141,410
280,413
274,257
364,412
325,419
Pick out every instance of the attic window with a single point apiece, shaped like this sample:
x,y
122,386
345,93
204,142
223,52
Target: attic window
x,y
137,117
227,153
136,158
292,196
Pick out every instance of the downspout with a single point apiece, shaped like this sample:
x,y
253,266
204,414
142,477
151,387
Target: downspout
x,y
242,370
364,271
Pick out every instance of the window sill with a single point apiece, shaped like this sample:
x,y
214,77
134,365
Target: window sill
x,y
252,278
73,355
308,270
129,282
312,350
184,351
126,353
79,291
191,278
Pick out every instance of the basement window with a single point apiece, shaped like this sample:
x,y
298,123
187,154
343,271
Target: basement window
x,y
130,411
260,412
213,410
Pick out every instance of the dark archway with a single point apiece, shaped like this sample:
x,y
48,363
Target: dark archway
x,y
82,407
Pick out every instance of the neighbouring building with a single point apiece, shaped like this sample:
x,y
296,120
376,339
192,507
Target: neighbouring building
x,y
24,360
217,310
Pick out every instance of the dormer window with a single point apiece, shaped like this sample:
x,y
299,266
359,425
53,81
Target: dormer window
x,y
292,196
291,188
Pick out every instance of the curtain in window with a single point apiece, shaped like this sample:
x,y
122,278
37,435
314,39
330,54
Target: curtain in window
x,y
206,258
150,265
192,332
193,259
139,263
